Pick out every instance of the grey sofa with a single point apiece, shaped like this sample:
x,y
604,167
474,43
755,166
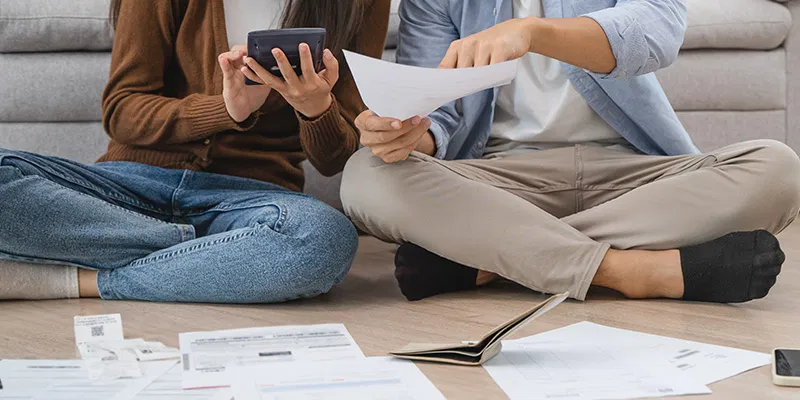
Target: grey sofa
x,y
737,78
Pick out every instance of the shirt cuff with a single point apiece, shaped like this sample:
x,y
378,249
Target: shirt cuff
x,y
441,139
609,20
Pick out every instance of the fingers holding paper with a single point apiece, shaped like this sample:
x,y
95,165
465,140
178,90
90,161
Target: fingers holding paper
x,y
393,140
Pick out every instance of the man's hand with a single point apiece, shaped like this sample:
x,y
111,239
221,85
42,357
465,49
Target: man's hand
x,y
393,140
503,42
240,100
578,41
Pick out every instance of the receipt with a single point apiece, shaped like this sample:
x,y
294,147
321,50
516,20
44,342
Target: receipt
x,y
108,355
98,328
94,336
205,355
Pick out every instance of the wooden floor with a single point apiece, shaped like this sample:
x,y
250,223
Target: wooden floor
x,y
379,319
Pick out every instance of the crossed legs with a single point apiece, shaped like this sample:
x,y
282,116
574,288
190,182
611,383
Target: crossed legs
x,y
564,219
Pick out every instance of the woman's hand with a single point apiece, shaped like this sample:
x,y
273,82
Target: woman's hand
x,y
241,100
309,94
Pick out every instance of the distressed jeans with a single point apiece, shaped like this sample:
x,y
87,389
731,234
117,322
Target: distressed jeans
x,y
171,235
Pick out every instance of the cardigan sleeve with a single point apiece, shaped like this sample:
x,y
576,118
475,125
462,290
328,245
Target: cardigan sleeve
x,y
134,110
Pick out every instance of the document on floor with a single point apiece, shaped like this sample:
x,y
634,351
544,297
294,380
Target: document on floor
x,y
108,354
402,91
168,387
69,379
370,378
204,355
707,363
584,370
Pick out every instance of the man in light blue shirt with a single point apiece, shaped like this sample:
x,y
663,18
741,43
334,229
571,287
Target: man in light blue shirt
x,y
576,174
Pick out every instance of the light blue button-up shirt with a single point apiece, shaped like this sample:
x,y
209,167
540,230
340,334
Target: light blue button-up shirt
x,y
645,35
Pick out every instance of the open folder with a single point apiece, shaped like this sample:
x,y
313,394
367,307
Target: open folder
x,y
477,353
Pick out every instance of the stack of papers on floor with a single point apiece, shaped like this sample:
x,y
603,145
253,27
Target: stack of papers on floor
x,y
368,378
590,361
267,363
69,380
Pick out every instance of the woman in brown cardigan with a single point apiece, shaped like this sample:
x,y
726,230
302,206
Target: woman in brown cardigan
x,y
197,198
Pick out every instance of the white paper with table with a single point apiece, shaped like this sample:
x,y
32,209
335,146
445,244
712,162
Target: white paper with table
x,y
402,91
379,378
707,363
588,361
205,355
69,379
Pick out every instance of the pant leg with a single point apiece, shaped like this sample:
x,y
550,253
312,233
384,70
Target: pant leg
x,y
61,212
646,202
480,213
257,243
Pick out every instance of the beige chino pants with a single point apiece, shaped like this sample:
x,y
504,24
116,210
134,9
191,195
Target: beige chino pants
x,y
546,219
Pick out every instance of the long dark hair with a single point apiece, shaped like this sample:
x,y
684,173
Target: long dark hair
x,y
341,18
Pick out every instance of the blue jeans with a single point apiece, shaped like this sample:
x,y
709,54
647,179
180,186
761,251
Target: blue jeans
x,y
171,235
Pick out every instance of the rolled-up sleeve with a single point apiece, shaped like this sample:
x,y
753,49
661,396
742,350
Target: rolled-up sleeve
x,y
645,35
426,32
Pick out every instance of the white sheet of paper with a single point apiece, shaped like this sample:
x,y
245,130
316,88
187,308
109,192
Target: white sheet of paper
x,y
204,355
93,336
574,370
380,378
402,91
98,328
707,363
69,379
168,387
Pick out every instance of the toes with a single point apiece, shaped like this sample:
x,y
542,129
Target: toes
x,y
761,289
768,261
766,242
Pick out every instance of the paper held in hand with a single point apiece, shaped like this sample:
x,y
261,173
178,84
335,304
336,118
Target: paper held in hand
x,y
403,91
477,353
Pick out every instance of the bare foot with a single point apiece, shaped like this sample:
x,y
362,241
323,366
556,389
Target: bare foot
x,y
87,283
642,274
484,278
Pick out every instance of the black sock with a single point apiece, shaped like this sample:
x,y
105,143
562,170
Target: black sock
x,y
735,268
422,274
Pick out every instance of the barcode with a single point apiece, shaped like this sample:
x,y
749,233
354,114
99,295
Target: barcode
x,y
98,330
185,362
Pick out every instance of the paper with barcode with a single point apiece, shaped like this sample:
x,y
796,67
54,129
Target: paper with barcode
x,y
98,328
108,355
205,355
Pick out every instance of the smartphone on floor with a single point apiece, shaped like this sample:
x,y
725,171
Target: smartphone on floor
x,y
786,367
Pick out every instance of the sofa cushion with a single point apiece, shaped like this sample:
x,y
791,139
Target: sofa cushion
x,y
719,24
54,25
743,80
736,24
711,130
43,87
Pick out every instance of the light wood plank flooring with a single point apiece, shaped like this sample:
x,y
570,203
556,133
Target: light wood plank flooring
x,y
380,319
